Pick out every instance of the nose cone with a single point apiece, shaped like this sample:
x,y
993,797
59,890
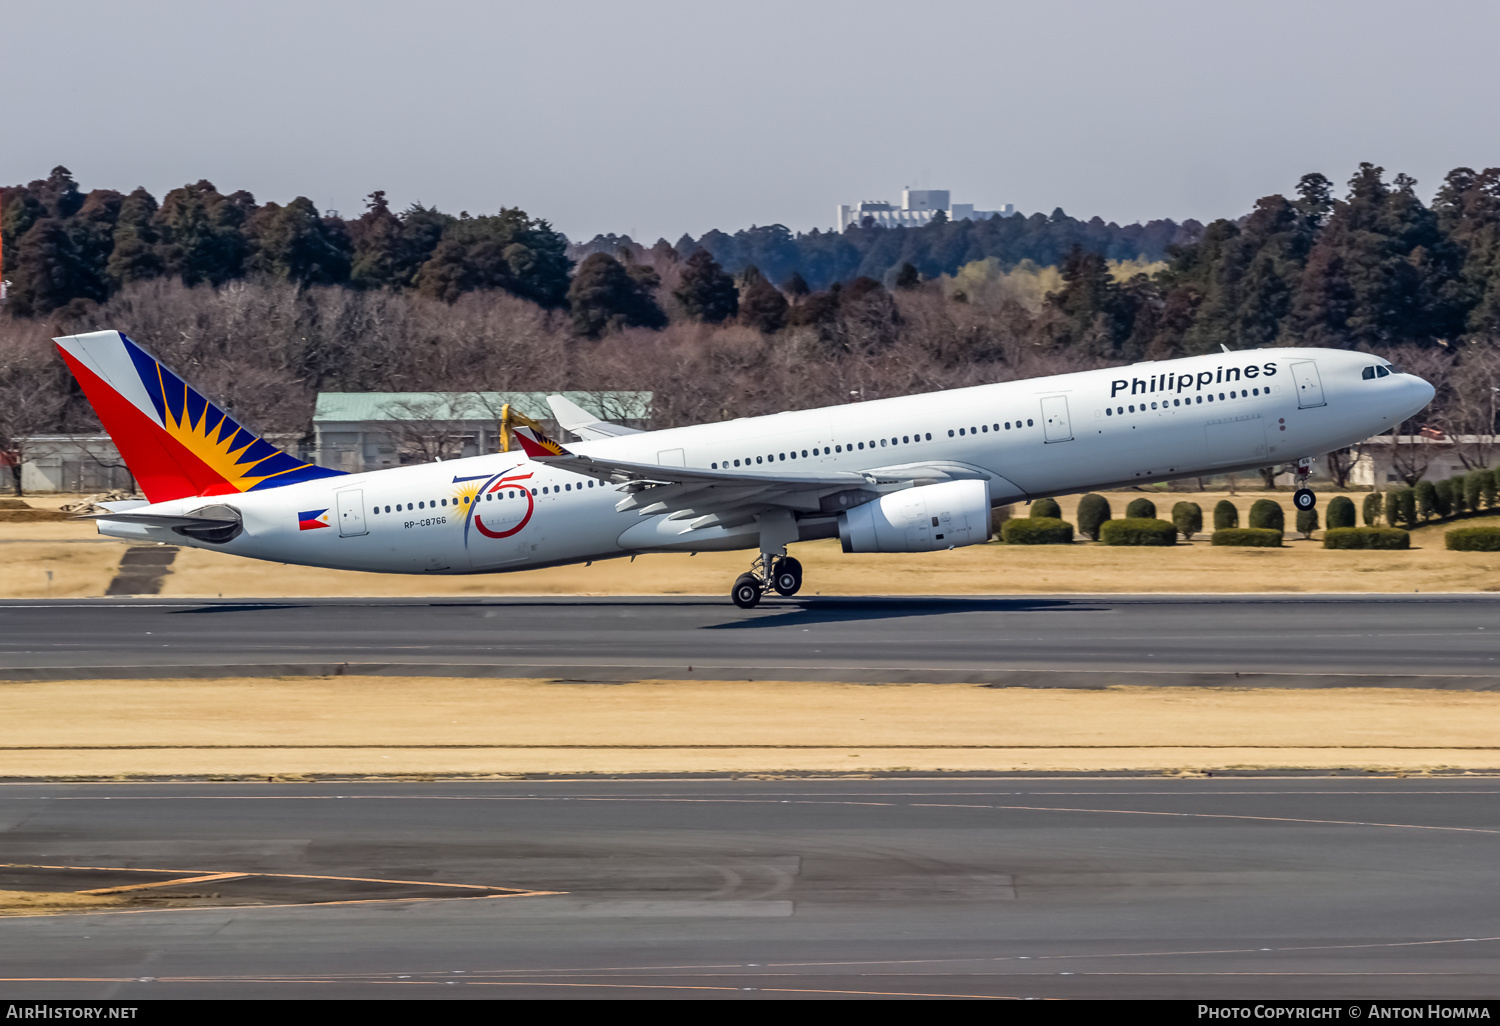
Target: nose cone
x,y
1417,393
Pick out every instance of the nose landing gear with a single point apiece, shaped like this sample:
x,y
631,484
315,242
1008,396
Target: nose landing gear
x,y
1303,498
785,578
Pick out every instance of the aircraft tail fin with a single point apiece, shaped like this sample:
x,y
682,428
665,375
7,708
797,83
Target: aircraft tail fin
x,y
173,440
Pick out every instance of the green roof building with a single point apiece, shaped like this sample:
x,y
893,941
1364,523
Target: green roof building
x,y
359,431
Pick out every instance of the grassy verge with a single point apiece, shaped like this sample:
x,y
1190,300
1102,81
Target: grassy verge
x,y
386,726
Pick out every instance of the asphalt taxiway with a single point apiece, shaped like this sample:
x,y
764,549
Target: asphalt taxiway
x,y
1005,887
1392,640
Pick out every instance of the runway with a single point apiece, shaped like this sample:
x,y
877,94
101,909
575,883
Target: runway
x,y
1245,888
1059,641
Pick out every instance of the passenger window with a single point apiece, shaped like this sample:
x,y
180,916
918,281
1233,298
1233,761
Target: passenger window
x,y
882,444
905,439
1029,423
929,436
960,431
421,505
783,457
757,459
1108,412
950,432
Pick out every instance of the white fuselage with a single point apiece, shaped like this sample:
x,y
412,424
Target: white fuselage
x,y
1043,436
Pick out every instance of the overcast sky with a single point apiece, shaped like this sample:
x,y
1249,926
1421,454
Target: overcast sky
x,y
656,118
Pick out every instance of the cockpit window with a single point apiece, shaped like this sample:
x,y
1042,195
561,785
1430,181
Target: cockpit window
x,y
1383,372
1368,373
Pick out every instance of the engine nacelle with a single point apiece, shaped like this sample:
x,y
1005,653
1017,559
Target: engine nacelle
x,y
924,519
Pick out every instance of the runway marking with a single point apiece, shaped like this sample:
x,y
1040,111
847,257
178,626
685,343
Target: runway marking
x,y
288,876
785,801
198,876
165,883
1213,815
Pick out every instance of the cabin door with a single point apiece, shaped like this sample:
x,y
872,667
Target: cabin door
x,y
351,506
1309,385
1055,424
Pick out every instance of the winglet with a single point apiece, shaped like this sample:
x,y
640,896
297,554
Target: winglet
x,y
538,446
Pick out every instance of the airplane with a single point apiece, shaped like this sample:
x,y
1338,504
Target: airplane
x,y
918,473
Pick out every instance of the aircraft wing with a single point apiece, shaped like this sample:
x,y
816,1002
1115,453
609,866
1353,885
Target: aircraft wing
x,y
724,498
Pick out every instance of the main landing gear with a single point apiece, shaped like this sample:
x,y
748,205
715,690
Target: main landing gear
x,y
785,578
1303,498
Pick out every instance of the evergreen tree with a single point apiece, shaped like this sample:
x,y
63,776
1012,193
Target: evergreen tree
x,y
375,262
133,256
1467,208
761,306
605,297
507,251
292,243
705,291
1379,272
202,233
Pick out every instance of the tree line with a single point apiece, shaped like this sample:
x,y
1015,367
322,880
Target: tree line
x,y
265,305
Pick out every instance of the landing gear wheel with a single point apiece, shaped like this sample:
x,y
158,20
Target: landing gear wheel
x,y
786,576
746,592
1303,498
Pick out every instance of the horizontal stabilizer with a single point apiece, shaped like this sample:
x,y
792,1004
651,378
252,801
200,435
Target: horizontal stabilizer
x,y
572,417
216,523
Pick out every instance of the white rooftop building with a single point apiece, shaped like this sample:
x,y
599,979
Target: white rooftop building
x,y
918,206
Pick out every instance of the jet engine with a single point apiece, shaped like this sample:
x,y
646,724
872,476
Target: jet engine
x,y
923,519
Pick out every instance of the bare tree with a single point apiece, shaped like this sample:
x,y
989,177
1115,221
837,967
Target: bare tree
x,y
429,428
1410,456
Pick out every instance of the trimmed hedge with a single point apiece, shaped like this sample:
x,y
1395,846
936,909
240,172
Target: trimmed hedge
x,y
1226,514
1442,497
1366,538
1427,500
1401,506
1473,539
1046,509
1341,512
1267,514
1188,518
1307,522
1138,531
1474,489
1140,509
1254,537
1373,504
1037,531
1093,510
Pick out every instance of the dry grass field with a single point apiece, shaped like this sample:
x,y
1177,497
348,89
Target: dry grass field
x,y
382,726
82,564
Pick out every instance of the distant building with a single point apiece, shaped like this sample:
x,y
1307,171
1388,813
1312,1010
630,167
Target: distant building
x,y
72,463
358,431
917,208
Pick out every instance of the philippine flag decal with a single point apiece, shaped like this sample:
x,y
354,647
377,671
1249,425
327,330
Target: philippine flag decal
x,y
312,520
